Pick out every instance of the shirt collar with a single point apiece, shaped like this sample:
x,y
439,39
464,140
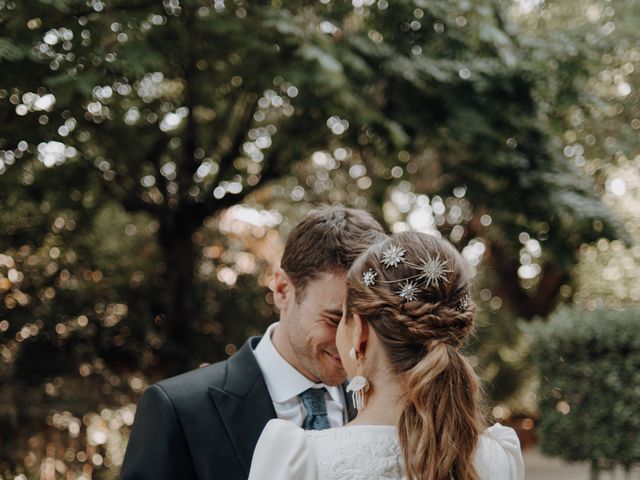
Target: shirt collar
x,y
283,381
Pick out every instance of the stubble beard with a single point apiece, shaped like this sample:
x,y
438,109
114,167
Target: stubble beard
x,y
308,361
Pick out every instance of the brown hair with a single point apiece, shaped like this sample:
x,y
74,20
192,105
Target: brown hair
x,y
442,414
329,239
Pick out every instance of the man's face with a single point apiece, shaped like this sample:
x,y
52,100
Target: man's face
x,y
310,324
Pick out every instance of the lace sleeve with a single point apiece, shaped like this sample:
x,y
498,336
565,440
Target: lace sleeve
x,y
498,455
282,453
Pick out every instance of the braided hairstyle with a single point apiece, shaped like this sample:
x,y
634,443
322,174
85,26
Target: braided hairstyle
x,y
442,414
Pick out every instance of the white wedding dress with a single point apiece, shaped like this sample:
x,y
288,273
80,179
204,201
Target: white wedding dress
x,y
365,452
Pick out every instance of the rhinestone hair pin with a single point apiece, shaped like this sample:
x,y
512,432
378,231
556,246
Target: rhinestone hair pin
x,y
408,291
369,278
393,256
464,303
431,271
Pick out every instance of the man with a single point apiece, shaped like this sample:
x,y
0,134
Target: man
x,y
205,424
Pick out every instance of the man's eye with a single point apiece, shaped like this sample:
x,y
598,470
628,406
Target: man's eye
x,y
333,322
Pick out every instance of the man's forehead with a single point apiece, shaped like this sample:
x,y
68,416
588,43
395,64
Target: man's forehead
x,y
324,289
325,280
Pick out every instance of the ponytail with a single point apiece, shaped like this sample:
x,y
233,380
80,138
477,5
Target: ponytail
x,y
440,423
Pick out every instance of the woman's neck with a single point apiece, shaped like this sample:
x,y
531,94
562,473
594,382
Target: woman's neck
x,y
383,401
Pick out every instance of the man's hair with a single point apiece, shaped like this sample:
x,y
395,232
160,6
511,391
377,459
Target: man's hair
x,y
329,239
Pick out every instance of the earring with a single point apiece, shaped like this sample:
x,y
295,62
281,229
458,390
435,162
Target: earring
x,y
358,385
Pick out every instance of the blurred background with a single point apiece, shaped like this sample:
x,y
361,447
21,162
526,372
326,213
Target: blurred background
x,y
155,154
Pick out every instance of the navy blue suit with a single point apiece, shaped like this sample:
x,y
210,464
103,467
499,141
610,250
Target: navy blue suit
x,y
203,424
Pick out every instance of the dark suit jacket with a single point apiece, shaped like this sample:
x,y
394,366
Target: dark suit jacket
x,y
203,424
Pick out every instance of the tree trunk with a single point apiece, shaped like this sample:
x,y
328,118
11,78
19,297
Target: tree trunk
x,y
180,296
515,298
595,470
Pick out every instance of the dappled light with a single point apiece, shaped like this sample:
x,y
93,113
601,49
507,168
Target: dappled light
x,y
154,156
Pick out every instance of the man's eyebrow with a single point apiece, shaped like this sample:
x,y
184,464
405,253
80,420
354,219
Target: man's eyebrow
x,y
333,313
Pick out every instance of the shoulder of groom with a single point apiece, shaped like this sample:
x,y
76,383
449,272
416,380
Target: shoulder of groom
x,y
198,382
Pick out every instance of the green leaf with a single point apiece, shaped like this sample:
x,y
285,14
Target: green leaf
x,y
398,136
326,61
61,5
9,50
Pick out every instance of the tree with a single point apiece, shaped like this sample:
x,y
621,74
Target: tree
x,y
127,128
213,102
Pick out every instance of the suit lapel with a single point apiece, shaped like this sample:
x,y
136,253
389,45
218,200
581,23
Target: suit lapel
x,y
243,403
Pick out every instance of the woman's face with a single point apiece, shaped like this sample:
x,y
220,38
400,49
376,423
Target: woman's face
x,y
344,343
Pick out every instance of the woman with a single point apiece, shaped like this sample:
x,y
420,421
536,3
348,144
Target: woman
x,y
408,312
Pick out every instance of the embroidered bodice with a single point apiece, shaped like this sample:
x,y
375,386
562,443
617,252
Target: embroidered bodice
x,y
363,452
357,453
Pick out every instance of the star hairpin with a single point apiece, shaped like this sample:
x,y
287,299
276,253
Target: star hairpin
x,y
432,271
369,278
393,256
408,291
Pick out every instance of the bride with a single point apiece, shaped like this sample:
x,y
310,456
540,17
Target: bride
x,y
407,314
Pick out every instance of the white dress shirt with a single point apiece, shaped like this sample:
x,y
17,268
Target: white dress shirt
x,y
285,383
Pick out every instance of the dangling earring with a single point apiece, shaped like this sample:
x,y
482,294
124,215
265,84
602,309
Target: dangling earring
x,y
358,384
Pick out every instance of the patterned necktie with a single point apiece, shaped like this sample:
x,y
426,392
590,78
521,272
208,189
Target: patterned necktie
x,y
313,401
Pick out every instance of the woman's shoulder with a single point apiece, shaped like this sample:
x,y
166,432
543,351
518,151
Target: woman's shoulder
x,y
282,453
498,438
279,432
498,455
277,427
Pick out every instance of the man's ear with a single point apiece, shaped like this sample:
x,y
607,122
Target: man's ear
x,y
283,289
360,333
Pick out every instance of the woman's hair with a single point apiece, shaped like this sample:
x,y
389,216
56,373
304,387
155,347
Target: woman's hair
x,y
422,334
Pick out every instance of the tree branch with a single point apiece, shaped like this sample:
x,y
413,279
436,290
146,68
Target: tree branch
x,y
214,205
121,7
244,122
153,157
188,165
128,198
514,296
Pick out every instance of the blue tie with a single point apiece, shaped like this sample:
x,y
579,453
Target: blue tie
x,y
313,401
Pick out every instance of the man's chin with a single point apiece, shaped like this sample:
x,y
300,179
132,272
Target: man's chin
x,y
333,373
335,378
336,382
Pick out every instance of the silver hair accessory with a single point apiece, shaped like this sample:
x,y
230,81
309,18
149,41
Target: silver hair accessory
x,y
464,304
369,277
393,256
408,291
431,271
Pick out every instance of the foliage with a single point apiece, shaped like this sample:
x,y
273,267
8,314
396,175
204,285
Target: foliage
x,y
589,363
599,134
129,130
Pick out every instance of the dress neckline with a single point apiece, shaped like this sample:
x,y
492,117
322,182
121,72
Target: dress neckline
x,y
371,427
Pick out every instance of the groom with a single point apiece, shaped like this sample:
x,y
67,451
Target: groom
x,y
205,424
